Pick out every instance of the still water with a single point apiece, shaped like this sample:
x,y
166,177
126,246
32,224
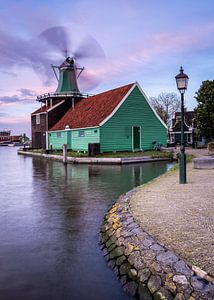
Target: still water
x,y
50,217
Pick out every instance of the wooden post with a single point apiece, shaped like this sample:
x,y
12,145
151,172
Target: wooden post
x,y
64,151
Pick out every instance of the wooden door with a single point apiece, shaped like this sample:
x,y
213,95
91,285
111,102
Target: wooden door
x,y
136,138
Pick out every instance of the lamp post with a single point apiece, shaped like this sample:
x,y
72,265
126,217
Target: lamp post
x,y
182,82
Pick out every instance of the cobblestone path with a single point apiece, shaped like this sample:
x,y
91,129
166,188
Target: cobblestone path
x,y
180,216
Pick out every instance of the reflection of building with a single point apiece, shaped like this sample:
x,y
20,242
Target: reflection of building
x,y
189,130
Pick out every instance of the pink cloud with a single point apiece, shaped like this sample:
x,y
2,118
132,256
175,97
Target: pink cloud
x,y
144,51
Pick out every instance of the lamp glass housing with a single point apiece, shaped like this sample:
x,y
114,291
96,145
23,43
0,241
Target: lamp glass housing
x,y
182,81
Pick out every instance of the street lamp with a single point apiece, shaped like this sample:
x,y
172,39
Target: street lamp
x,y
182,82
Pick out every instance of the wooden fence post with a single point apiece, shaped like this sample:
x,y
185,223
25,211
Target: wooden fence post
x,y
64,151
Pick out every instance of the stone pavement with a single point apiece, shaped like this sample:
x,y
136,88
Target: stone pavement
x,y
180,216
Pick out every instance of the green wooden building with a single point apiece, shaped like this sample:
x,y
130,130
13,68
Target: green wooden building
x,y
121,119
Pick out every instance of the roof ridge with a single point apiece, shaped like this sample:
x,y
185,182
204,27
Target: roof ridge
x,y
114,89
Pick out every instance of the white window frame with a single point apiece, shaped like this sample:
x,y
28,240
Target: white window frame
x,y
38,121
133,137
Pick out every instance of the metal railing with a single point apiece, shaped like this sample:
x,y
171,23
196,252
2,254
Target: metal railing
x,y
62,95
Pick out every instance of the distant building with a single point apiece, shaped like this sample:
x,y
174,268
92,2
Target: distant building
x,y
189,130
6,137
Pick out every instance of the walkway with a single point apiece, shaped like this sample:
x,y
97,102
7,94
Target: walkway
x,y
180,216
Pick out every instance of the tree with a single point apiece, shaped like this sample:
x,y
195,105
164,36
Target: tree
x,y
204,112
166,104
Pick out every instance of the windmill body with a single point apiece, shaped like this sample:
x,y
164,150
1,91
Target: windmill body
x,y
67,77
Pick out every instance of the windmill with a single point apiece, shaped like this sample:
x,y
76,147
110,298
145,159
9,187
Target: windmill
x,y
69,71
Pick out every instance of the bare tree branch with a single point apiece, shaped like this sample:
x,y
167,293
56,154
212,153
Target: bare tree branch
x,y
166,104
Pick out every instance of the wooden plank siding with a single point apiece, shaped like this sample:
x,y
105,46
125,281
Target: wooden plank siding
x,y
116,134
77,140
82,137
57,138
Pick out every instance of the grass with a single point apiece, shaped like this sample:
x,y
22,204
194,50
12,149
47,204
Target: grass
x,y
189,158
71,153
153,154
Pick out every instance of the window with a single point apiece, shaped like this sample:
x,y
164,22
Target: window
x,y
81,133
38,119
58,134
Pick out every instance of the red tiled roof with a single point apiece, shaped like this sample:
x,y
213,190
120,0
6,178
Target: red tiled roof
x,y
91,111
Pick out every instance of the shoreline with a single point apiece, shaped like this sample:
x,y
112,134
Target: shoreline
x,y
146,267
94,160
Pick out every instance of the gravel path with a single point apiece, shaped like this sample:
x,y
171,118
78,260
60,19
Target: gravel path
x,y
180,216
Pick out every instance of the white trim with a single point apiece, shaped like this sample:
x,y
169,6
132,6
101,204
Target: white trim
x,y
72,129
84,128
184,124
133,137
40,113
46,119
46,140
58,104
132,140
119,105
124,99
152,108
53,107
173,132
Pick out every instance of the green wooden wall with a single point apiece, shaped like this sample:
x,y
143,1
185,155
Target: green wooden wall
x,y
81,138
116,134
58,138
75,139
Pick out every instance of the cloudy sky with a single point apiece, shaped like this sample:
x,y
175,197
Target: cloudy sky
x,y
142,40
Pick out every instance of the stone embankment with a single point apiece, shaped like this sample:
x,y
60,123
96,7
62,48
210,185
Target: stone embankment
x,y
146,269
95,160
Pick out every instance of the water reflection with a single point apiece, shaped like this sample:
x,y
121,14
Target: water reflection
x,y
50,218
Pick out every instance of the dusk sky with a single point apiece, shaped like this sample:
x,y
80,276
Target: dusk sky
x,y
143,40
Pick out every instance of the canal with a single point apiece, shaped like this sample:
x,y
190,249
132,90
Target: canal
x,y
49,222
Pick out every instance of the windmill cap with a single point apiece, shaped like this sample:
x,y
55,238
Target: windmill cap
x,y
69,62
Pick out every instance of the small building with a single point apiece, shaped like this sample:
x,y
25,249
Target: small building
x,y
189,130
121,119
5,136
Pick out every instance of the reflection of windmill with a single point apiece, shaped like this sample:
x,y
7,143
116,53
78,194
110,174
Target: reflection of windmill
x,y
54,105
